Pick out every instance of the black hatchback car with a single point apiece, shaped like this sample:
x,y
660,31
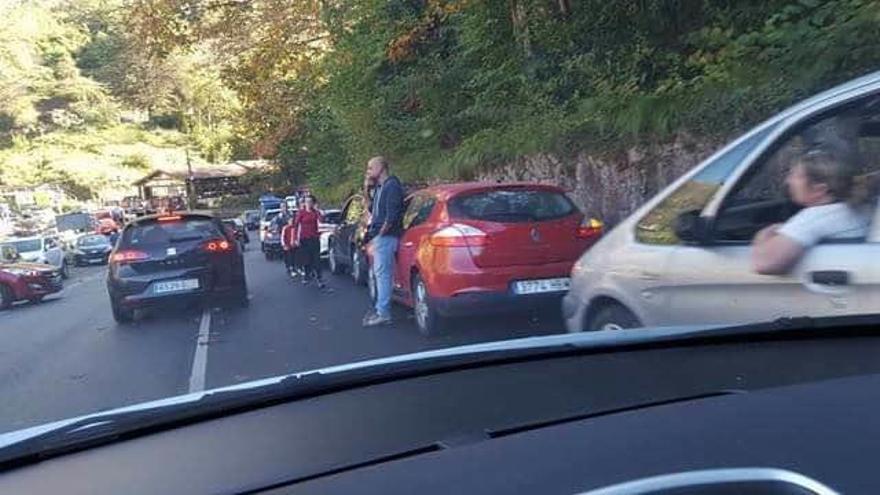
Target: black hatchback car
x,y
91,249
181,257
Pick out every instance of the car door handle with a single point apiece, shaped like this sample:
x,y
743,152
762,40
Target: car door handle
x,y
832,278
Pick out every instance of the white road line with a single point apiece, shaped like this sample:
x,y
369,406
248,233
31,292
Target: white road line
x,y
200,359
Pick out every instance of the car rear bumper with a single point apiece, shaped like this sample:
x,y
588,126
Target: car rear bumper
x,y
494,302
460,277
138,291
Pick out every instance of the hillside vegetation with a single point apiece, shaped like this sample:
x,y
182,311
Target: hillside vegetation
x,y
446,88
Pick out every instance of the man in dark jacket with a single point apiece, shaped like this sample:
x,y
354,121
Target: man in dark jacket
x,y
384,233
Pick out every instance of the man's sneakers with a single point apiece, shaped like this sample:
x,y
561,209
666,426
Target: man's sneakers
x,y
374,320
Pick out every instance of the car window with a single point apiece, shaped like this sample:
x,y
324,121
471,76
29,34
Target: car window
x,y
418,210
658,226
511,205
93,240
51,243
761,198
332,217
25,246
160,233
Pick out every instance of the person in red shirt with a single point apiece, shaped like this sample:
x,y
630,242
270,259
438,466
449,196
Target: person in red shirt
x,y
309,246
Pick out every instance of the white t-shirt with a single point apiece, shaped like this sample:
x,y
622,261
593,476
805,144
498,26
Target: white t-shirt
x,y
831,221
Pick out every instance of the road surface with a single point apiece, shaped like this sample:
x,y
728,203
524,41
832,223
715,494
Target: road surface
x,y
67,357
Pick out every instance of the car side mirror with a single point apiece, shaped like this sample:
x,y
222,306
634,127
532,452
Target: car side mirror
x,y
691,228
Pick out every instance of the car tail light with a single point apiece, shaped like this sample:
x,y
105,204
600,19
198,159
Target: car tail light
x,y
128,256
459,235
218,246
590,229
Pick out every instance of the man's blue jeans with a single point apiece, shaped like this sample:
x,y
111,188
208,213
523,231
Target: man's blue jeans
x,y
384,248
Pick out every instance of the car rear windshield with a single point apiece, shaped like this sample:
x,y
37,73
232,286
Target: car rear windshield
x,y
270,216
93,240
333,217
512,205
156,232
27,246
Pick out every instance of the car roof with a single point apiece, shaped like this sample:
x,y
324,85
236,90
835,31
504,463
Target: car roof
x,y
447,191
182,214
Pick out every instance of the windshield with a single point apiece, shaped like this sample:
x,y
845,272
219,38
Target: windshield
x,y
25,246
451,172
93,241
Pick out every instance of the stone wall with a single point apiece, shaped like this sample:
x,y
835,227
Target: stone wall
x,y
610,187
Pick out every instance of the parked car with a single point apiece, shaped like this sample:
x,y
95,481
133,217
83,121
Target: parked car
x,y
92,249
270,237
251,219
22,281
40,249
685,256
175,258
239,232
487,247
345,245
331,219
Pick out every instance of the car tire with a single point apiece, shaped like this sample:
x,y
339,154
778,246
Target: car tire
x,y
613,317
36,300
358,266
6,297
428,321
120,314
332,264
65,270
268,255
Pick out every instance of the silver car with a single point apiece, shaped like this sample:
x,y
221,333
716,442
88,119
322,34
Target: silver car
x,y
685,256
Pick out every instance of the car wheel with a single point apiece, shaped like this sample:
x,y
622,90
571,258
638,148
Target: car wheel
x,y
6,297
65,270
335,267
613,317
358,267
268,255
36,300
120,314
428,321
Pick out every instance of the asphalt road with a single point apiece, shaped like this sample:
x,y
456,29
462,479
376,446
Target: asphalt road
x,y
67,357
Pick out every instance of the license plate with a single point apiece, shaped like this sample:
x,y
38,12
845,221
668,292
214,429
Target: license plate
x,y
97,261
542,286
175,286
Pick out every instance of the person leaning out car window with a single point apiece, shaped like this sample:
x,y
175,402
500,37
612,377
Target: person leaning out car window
x,y
834,207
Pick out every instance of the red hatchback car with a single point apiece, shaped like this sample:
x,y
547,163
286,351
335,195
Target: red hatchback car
x,y
487,247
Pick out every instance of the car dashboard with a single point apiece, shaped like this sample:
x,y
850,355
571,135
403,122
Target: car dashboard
x,y
568,424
